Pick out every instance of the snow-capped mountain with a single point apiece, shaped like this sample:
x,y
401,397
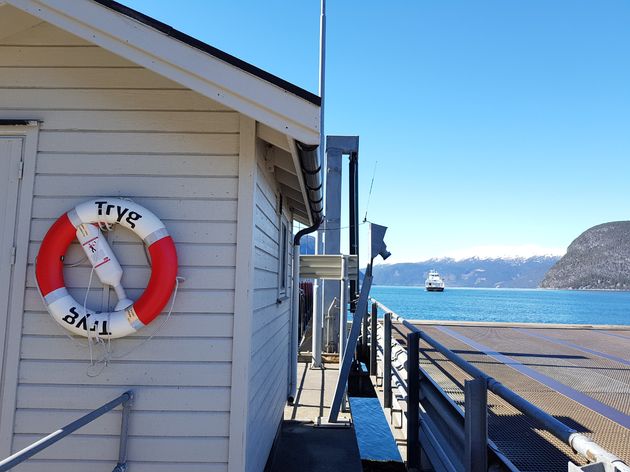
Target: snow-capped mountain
x,y
513,271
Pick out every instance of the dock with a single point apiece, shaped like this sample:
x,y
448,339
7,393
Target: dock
x,y
578,374
305,442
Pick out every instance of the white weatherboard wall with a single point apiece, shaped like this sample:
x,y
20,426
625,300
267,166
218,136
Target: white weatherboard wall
x,y
109,127
270,324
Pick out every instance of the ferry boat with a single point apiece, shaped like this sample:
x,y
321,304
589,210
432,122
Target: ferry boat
x,y
434,282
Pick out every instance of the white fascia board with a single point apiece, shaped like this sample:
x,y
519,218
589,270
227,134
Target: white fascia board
x,y
184,64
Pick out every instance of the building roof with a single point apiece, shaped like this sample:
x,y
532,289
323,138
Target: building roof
x,y
185,60
287,116
207,48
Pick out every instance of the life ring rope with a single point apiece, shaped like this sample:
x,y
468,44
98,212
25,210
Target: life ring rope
x,y
83,222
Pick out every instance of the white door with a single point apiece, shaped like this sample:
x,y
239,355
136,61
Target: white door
x,y
10,168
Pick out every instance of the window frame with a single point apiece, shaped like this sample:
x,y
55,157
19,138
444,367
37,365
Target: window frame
x,y
283,258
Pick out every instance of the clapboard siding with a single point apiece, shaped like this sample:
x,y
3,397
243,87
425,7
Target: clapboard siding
x,y
37,347
54,56
40,99
85,77
270,324
135,141
125,120
44,34
109,127
140,448
274,395
145,423
133,185
37,465
170,209
55,397
123,372
180,325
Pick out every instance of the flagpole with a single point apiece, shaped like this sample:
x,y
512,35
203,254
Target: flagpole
x,y
318,285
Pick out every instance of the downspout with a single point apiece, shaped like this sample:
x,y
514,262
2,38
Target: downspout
x,y
311,169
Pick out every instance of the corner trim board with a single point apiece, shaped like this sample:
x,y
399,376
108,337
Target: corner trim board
x,y
243,296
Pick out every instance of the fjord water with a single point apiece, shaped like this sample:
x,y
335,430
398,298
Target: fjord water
x,y
508,305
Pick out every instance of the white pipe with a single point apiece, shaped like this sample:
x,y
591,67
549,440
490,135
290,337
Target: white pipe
x,y
595,453
295,319
322,77
318,287
316,329
343,318
329,317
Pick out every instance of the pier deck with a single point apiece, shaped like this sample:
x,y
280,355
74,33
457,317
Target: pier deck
x,y
305,447
579,374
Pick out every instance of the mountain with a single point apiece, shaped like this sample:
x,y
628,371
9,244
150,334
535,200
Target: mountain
x,y
599,259
470,272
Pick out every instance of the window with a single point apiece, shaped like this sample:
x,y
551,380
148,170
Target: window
x,y
283,257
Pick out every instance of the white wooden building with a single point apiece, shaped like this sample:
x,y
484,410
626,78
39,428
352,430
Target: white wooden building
x,y
99,100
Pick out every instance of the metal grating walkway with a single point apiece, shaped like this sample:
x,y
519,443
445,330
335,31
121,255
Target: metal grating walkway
x,y
580,376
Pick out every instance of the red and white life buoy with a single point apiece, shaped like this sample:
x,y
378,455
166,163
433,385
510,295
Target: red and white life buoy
x,y
83,222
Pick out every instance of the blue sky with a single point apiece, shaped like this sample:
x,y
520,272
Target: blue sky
x,y
498,126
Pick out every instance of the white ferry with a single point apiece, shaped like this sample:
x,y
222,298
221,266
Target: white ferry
x,y
434,282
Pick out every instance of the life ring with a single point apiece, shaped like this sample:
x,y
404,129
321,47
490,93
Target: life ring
x,y
79,222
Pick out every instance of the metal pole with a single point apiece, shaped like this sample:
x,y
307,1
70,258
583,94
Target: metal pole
x,y
387,361
316,347
322,76
373,340
343,319
413,401
320,301
353,201
61,433
124,434
295,314
344,368
476,425
364,335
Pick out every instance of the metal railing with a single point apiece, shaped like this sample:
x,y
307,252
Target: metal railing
x,y
447,422
125,399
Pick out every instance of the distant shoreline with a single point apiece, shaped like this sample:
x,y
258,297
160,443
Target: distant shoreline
x,y
523,289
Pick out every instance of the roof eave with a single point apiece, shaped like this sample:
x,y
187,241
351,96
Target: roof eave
x,y
189,66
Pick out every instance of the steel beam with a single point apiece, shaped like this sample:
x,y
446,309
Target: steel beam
x,y
332,226
373,340
413,403
476,425
346,362
387,361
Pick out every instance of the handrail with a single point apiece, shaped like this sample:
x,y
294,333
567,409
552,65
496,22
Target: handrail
x,y
579,442
125,399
